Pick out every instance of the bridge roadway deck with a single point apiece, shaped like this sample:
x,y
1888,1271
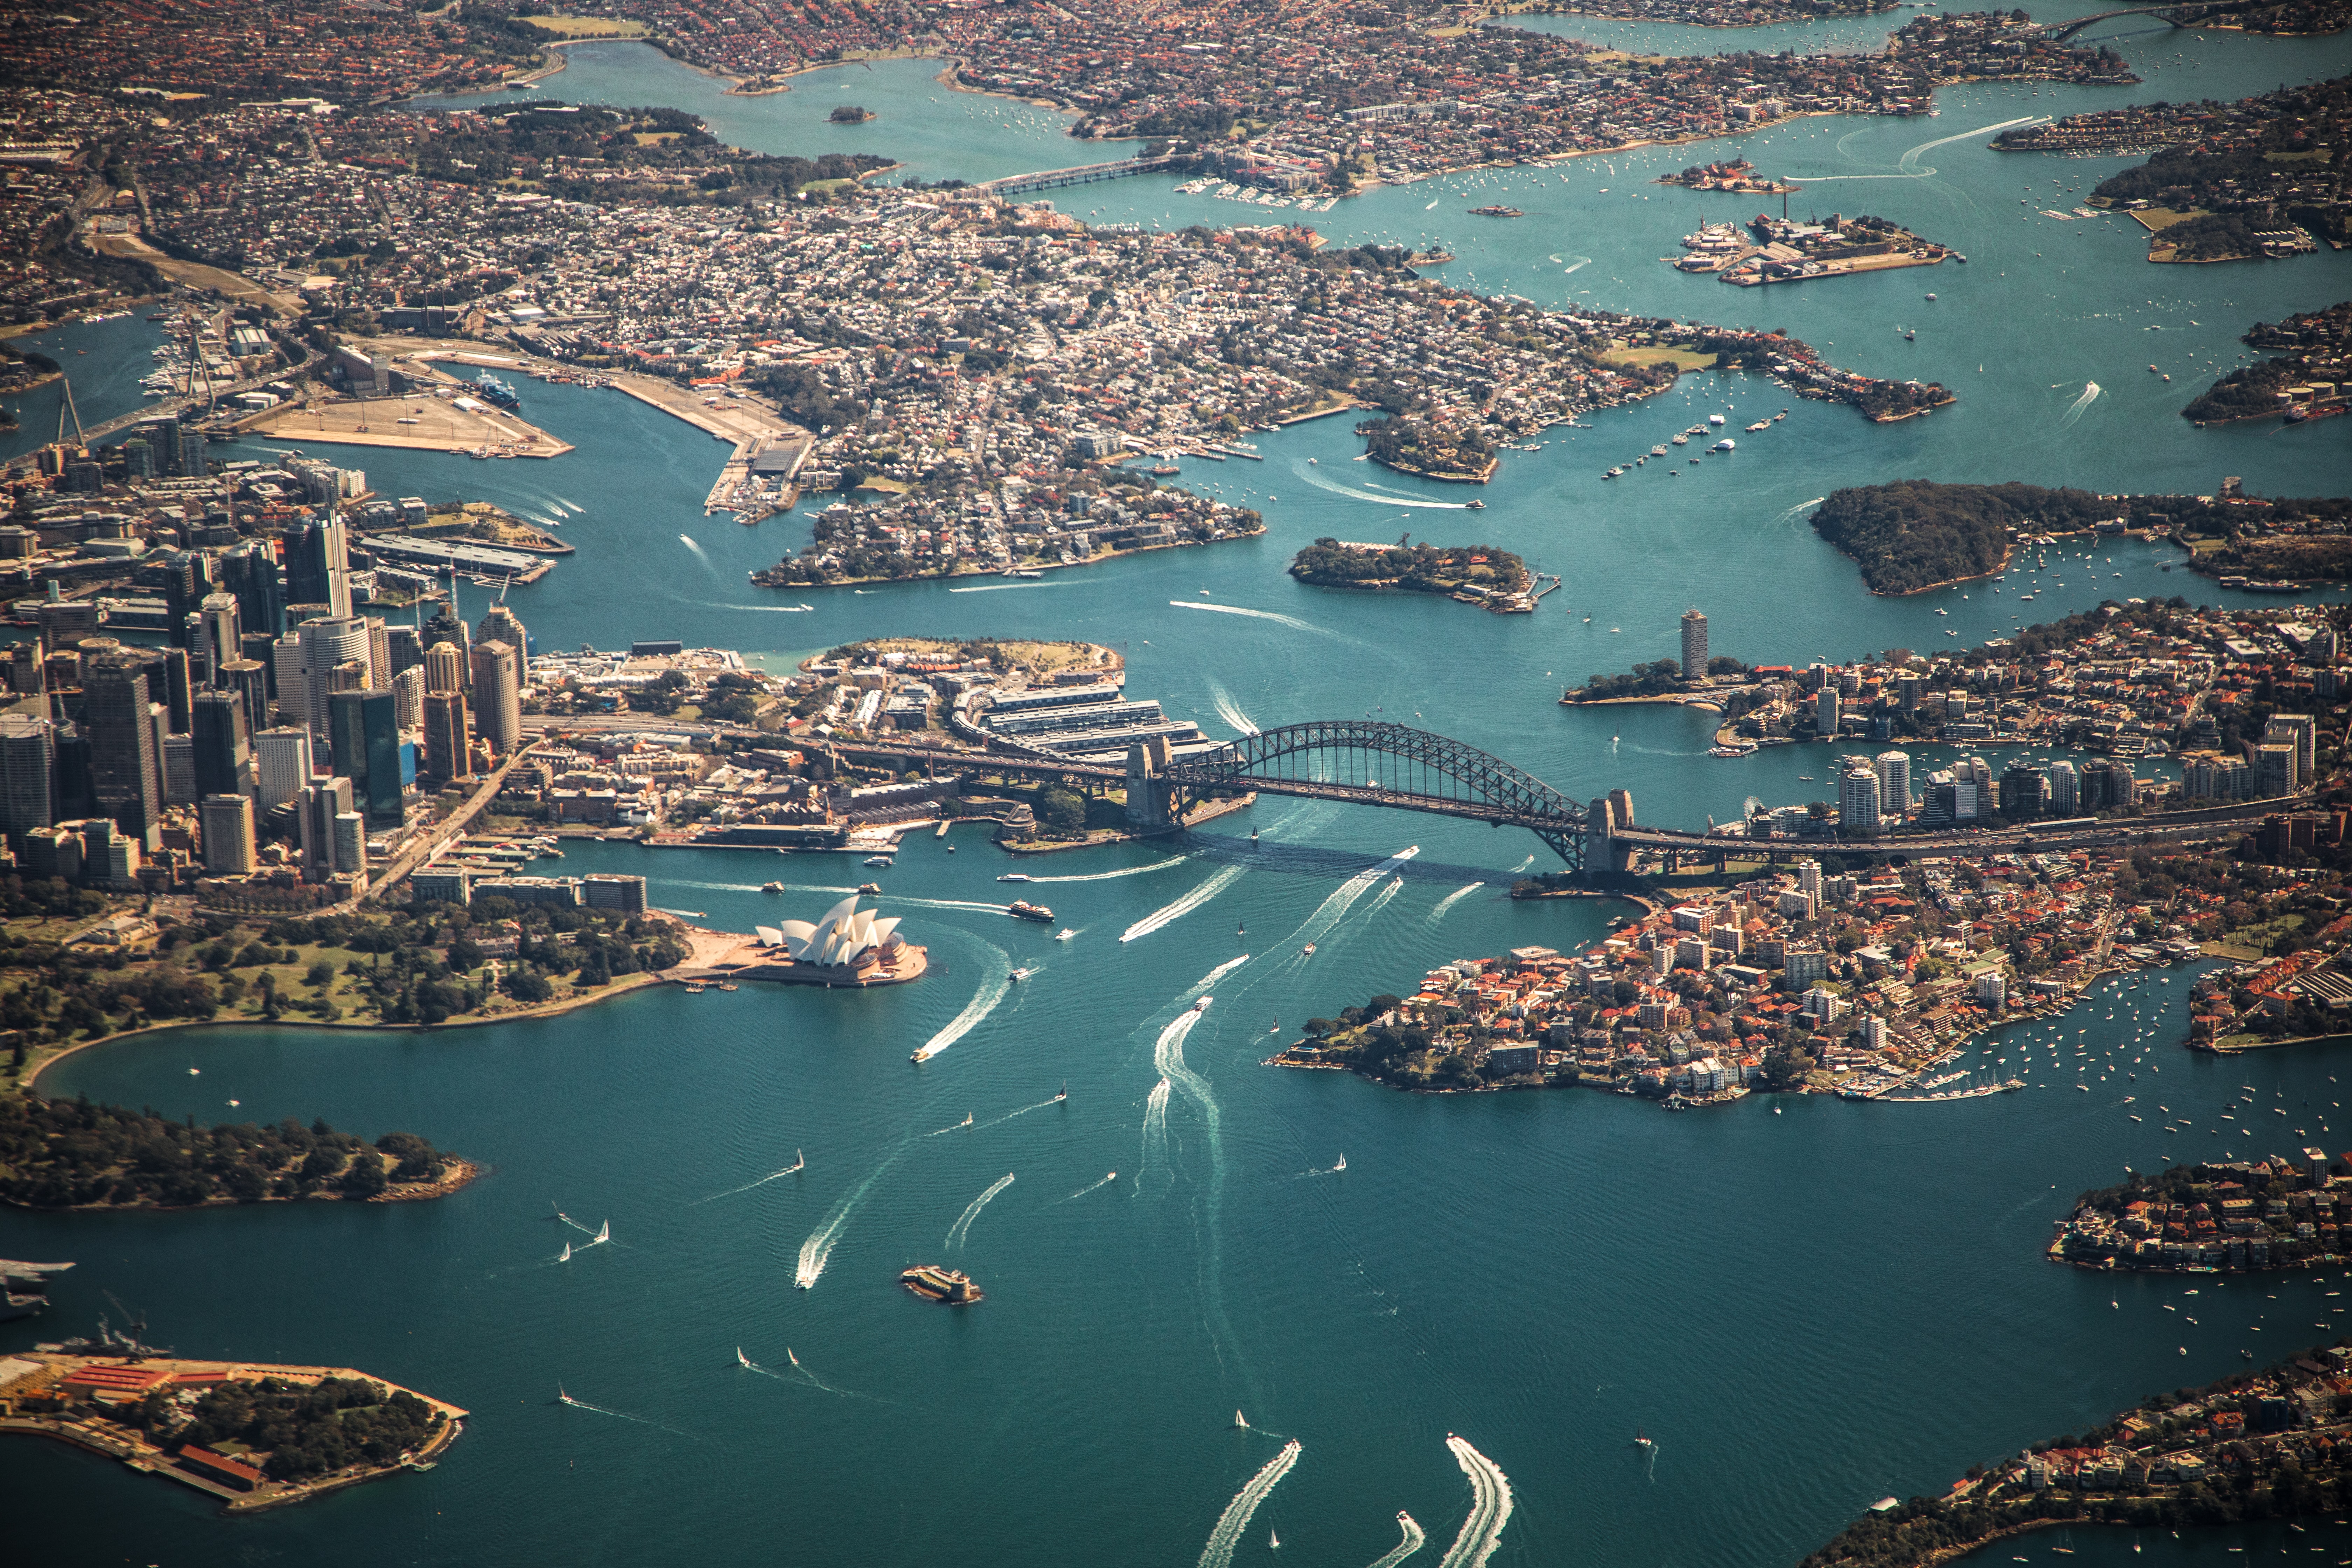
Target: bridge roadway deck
x,y
2170,827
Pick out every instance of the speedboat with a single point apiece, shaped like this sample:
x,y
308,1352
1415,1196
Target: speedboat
x,y
1013,877
1202,1005
882,860
1066,933
1021,973
1306,951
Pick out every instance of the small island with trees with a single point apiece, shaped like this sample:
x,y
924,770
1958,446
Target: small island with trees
x,y
1657,680
74,1154
1477,574
2269,1444
1739,175
1431,449
850,114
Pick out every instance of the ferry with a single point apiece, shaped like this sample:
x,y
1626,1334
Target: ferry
x,y
1731,751
1024,910
1466,506
949,1287
496,391
1713,419
881,860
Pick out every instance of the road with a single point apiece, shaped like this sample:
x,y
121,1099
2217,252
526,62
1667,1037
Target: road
x,y
418,853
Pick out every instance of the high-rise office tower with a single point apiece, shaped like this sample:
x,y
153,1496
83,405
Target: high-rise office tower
x,y
174,686
1693,644
227,822
251,573
325,645
445,668
2024,791
446,625
293,684
218,736
445,737
407,651
379,670
318,567
322,801
125,763
223,632
249,679
498,697
364,727
408,693
281,765
28,773
351,844
1894,782
184,586
501,625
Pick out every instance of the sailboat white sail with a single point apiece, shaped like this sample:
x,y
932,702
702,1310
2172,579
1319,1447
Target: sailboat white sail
x,y
567,1254
605,1232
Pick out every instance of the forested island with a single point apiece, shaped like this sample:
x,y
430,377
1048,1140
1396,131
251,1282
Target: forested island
x,y
1432,450
2259,1445
2314,346
307,1428
1917,535
850,114
1477,574
74,1154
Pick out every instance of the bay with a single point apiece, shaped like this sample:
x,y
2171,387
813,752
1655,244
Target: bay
x,y
1805,1310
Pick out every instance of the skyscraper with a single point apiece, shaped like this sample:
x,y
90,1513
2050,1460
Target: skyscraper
x,y
317,566
445,737
351,844
218,732
1894,782
251,571
1825,712
281,765
126,764
501,625
408,690
445,668
2065,789
227,822
498,697
2024,791
326,644
322,802
364,727
28,765
223,632
1858,806
1693,643
249,679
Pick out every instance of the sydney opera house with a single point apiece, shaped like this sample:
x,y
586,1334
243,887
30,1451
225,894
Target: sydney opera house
x,y
848,946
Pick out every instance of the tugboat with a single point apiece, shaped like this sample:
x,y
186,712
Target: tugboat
x,y
949,1287
1026,910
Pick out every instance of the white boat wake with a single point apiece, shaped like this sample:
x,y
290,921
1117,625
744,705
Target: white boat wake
x,y
1113,876
564,1398
1228,1535
1293,622
993,989
1217,882
1413,1542
2091,390
1095,1186
690,544
963,1227
747,1186
1490,1507
1908,166
1452,898
1791,514
1200,987
1009,1115
1342,897
1314,476
1229,711
1155,1132
1523,865
818,1247
806,1377
945,904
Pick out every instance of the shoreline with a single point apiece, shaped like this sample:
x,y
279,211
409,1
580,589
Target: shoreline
x,y
1107,556
461,1173
621,986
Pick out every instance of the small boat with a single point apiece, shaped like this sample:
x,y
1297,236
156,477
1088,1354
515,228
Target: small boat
x,y
1481,506
741,1357
870,889
1020,975
1306,951
1240,1421
771,887
1202,1005
1066,933
605,1231
567,1254
1642,1440
1931,296
1241,928
1065,1093
1342,1164
1273,1540
883,861
1013,877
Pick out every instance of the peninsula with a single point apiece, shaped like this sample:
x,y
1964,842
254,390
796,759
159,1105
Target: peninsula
x,y
255,1435
2308,375
1737,174
1477,574
72,1154
2259,1444
1917,535
1434,449
2250,1215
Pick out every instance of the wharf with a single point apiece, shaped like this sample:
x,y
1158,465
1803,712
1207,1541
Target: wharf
x,y
36,1401
414,424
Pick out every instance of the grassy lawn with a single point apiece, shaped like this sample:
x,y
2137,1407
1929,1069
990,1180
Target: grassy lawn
x,y
1680,359
587,27
2230,950
2155,220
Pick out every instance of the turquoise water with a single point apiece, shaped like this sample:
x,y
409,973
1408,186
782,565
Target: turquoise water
x,y
1807,1309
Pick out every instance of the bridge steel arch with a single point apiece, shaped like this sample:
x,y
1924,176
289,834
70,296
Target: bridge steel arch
x,y
1374,763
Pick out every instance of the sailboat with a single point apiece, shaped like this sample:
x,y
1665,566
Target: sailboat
x,y
800,1161
791,1358
564,1398
567,1254
1342,1164
605,1232
1274,1539
966,1120
1240,1420
1065,1093
741,1357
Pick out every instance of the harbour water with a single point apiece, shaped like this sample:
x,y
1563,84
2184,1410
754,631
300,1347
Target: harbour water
x,y
1806,1309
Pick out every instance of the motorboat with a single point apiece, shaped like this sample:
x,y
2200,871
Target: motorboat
x,y
1013,877
872,890
771,887
1020,975
883,861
